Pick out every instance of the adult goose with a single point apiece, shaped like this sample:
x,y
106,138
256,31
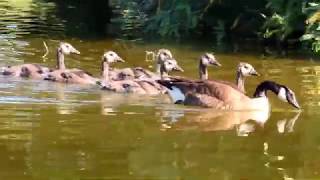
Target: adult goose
x,y
138,86
62,74
219,95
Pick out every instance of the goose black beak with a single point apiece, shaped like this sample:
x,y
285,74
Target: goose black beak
x,y
295,104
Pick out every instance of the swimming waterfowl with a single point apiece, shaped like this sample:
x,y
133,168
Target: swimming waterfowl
x,y
118,86
206,60
244,70
32,71
108,58
36,71
139,72
218,95
138,86
62,74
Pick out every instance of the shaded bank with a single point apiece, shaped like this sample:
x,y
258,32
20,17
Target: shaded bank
x,y
280,24
84,18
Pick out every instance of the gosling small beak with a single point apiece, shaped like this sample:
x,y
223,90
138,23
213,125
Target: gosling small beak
x,y
216,63
74,51
119,59
254,73
178,68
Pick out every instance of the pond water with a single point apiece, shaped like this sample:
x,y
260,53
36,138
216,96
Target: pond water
x,y
57,131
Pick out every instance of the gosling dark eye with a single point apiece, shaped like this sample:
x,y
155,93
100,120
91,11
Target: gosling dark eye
x,y
246,67
111,54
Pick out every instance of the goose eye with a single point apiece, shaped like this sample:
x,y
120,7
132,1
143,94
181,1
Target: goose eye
x,y
111,54
246,67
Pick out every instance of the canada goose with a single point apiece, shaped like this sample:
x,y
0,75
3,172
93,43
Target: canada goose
x,y
36,71
108,58
139,72
62,74
206,60
222,96
244,70
142,86
138,86
33,71
64,49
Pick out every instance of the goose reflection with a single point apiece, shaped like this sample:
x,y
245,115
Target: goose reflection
x,y
63,107
112,102
68,97
244,122
286,125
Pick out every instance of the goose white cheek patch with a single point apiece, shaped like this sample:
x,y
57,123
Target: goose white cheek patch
x,y
282,95
176,94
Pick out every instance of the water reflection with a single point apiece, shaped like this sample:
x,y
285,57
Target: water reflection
x,y
244,122
20,18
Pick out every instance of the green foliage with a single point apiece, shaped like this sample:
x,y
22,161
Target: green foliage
x,y
275,26
312,34
285,19
175,20
130,19
279,20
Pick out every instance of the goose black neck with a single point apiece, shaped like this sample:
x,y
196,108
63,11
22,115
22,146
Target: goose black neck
x,y
203,71
263,87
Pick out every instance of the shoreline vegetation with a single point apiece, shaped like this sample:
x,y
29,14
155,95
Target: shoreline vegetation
x,y
280,24
277,26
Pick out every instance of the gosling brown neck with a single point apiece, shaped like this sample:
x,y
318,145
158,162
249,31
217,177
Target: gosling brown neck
x,y
240,81
163,72
203,71
60,60
105,71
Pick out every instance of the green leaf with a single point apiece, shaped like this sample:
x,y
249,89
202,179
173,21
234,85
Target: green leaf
x,y
306,37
